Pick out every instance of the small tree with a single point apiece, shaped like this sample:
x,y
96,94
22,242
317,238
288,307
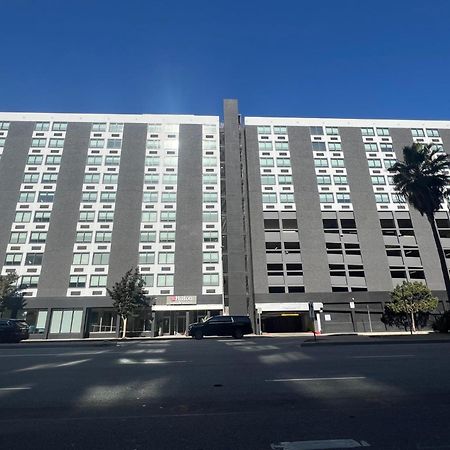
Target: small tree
x,y
128,295
412,302
10,296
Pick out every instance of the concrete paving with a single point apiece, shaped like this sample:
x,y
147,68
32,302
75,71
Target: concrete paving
x,y
252,394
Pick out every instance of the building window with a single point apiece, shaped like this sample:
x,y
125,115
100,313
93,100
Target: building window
x,y
112,160
340,179
13,259
56,143
432,132
286,198
53,160
166,258
114,143
49,177
89,197
332,131
42,126
210,216
98,281
38,142
209,197
148,280
34,160
264,130
105,216
100,259
266,162
147,258
377,180
210,257
96,143
103,236
320,162
318,146
41,216
283,162
168,197
110,178
18,238
269,198
33,259
172,161
343,198
27,197
168,216
281,146
87,216
80,259
370,147
284,179
210,236
374,163
148,236
417,132
265,146
84,236
337,162
397,198
165,280
38,237
210,279
209,161
382,198
115,127
171,178
77,281
279,130
334,146
150,197
149,216
66,321
46,197
30,177
91,178
94,161
323,179
152,160
167,236
107,197
316,131
326,198
59,126
382,131
98,127
29,282
386,148
22,216
367,132
388,163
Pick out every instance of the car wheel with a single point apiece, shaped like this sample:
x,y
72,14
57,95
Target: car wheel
x,y
198,335
238,334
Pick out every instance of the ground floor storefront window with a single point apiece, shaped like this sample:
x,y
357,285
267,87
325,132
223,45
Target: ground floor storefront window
x,y
177,322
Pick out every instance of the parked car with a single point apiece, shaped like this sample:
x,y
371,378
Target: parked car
x,y
13,330
236,326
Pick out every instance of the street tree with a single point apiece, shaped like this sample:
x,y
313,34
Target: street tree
x,y
411,303
11,297
421,179
128,296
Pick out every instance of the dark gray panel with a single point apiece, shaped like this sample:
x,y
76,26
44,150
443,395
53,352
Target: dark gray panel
x,y
371,241
312,240
12,164
445,136
55,272
188,241
234,212
424,236
256,219
127,215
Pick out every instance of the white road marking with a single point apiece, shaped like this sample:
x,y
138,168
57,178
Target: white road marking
x,y
18,388
148,361
381,356
317,379
319,445
18,355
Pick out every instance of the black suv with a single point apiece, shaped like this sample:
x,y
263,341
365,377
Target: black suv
x,y
13,330
235,326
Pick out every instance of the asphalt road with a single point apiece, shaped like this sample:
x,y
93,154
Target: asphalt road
x,y
224,394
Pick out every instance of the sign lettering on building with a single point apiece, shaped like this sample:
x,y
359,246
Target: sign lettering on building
x,y
181,300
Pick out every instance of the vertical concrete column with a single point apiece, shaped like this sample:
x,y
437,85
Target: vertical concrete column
x,y
375,261
127,214
316,275
189,234
234,211
424,236
12,165
55,271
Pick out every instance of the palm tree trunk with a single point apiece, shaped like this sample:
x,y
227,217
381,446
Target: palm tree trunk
x,y
441,254
124,331
413,323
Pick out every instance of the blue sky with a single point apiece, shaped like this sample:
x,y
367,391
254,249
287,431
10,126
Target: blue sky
x,y
329,58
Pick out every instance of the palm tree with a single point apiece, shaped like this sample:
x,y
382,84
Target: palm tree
x,y
422,180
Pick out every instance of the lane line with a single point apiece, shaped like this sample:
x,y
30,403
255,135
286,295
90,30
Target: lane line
x,y
381,356
23,388
284,380
18,355
320,445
